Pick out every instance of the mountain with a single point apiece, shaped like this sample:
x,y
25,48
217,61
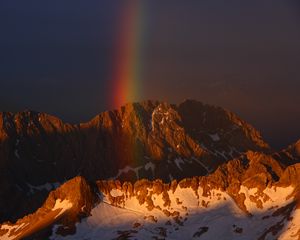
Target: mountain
x,y
204,149
149,140
250,197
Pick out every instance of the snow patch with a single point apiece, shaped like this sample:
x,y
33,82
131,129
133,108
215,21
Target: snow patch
x,y
62,205
151,166
222,154
17,154
269,198
215,137
178,161
214,211
8,235
291,231
116,193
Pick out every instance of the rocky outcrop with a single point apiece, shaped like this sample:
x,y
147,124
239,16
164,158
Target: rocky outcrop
x,y
289,155
252,170
291,175
64,207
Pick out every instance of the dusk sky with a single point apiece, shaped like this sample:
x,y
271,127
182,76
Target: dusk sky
x,y
58,57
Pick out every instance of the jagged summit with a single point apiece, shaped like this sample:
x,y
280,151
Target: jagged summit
x,y
68,204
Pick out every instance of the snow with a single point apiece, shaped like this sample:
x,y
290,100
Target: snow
x,y
222,154
103,223
275,195
151,166
215,137
291,230
178,161
152,123
62,205
106,220
116,193
12,229
7,235
17,154
215,216
16,150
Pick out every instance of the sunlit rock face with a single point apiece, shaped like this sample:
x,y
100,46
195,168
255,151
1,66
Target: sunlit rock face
x,y
68,204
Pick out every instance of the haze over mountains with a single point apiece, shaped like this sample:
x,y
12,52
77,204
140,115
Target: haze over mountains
x,y
216,176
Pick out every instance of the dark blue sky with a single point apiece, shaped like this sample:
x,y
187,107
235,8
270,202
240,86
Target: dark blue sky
x,y
56,57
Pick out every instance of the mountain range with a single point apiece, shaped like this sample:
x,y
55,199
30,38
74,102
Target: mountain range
x,y
149,170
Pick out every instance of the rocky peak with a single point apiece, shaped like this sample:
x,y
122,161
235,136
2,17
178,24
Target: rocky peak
x,y
64,206
78,191
220,124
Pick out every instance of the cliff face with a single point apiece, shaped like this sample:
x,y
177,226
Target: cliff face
x,y
67,205
159,140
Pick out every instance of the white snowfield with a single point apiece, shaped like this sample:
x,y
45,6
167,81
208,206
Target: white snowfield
x,y
62,206
216,216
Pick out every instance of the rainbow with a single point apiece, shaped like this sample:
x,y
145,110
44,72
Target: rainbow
x,y
125,83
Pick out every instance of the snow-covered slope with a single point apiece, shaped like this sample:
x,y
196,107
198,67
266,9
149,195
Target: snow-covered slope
x,y
248,198
189,214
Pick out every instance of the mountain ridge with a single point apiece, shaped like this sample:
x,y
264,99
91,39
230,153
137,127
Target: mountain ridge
x,y
151,139
255,187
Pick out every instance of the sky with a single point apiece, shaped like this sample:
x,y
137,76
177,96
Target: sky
x,y
59,57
